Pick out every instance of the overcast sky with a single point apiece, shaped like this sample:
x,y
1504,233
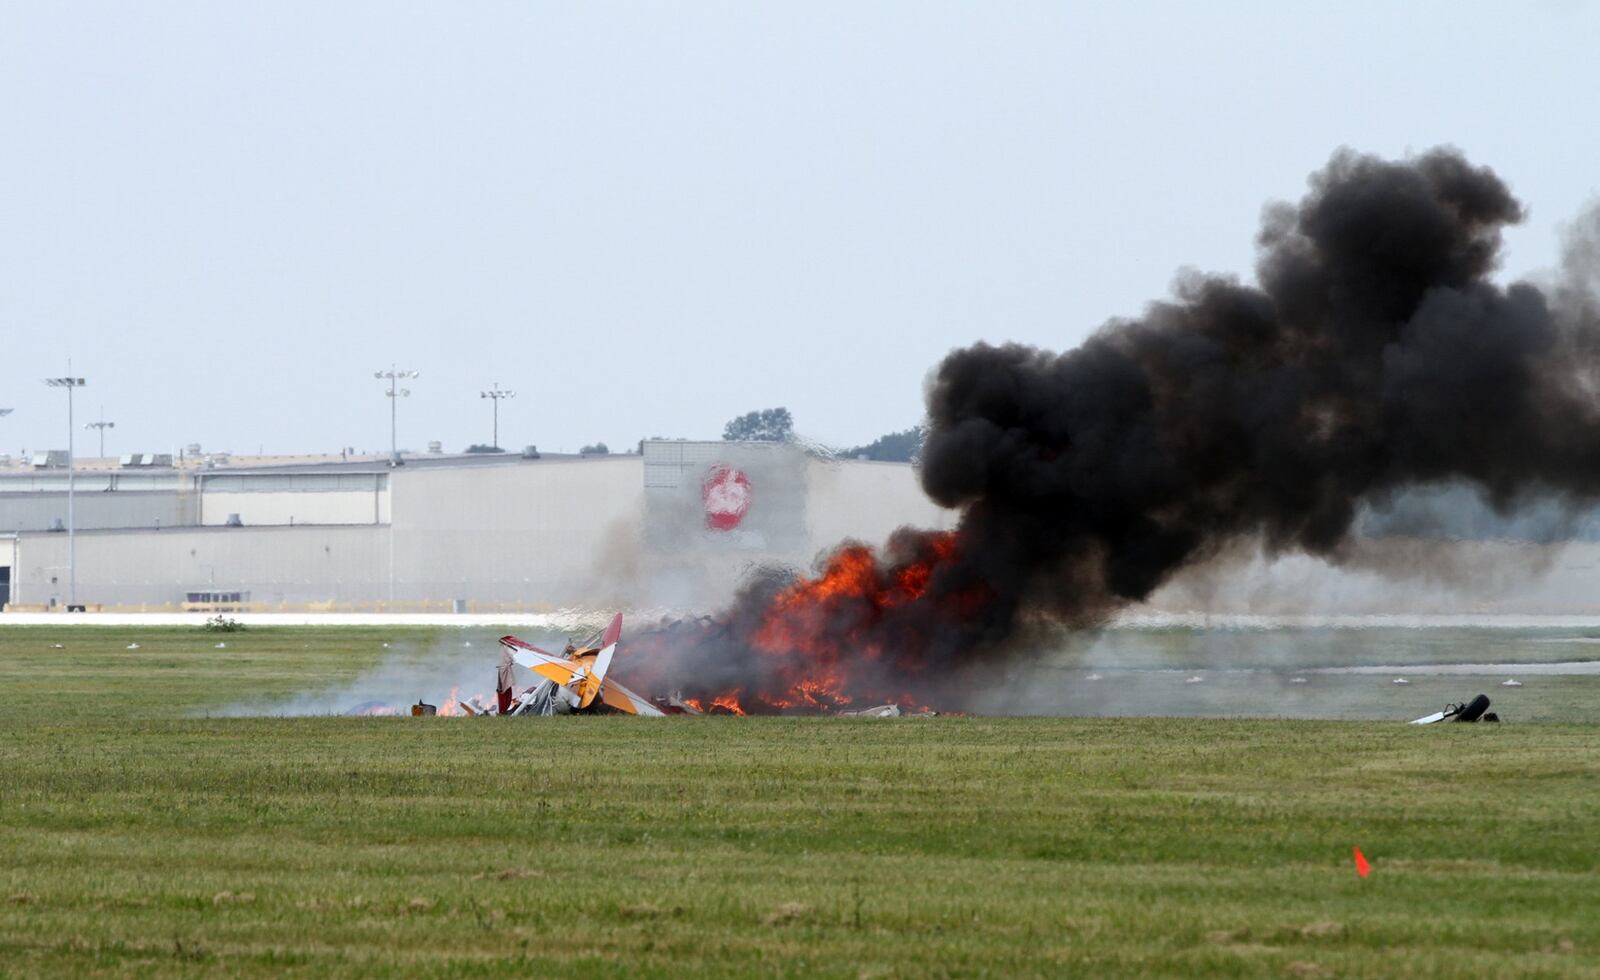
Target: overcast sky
x,y
648,218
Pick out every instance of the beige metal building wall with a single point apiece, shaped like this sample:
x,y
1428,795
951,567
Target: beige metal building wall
x,y
799,503
335,497
796,506
295,565
97,509
528,534
542,532
295,507
866,501
770,492
165,499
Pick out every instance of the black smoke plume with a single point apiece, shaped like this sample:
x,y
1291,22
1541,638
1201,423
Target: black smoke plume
x,y
1374,354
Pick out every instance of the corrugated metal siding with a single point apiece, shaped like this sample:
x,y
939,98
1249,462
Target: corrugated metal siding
x,y
92,510
675,514
296,482
867,501
94,481
295,507
538,533
668,463
289,565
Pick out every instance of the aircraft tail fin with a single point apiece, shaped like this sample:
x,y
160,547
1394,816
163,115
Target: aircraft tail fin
x,y
613,632
505,678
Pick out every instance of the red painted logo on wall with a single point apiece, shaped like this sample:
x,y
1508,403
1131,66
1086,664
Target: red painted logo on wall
x,y
726,492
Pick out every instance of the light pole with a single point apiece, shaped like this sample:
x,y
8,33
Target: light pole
x,y
70,383
395,394
102,425
495,394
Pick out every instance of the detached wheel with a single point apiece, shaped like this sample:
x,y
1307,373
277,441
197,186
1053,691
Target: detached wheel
x,y
1474,709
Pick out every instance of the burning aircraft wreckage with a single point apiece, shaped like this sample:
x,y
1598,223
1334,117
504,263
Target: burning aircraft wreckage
x,y
1375,353
578,680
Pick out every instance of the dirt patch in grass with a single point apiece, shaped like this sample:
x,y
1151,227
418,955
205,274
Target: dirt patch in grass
x,y
787,914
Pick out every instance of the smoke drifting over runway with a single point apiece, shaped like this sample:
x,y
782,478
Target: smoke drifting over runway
x,y
1374,354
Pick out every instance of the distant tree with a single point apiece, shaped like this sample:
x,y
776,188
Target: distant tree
x,y
598,449
896,447
767,425
479,447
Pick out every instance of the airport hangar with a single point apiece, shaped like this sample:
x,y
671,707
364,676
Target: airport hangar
x,y
675,525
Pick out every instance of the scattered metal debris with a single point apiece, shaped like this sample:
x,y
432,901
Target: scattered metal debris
x,y
675,704
1469,711
881,711
578,680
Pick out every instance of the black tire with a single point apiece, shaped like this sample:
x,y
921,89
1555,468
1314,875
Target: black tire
x,y
1474,709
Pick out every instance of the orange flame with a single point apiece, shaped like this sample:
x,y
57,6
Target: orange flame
x,y
729,703
453,703
856,633
721,704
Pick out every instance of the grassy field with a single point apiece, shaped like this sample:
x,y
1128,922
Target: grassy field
x,y
137,836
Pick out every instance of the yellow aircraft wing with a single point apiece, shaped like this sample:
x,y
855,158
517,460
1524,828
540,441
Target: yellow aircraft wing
x,y
622,699
558,669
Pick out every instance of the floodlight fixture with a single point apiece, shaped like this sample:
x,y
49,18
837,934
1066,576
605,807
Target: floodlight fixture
x,y
101,426
70,382
496,394
395,393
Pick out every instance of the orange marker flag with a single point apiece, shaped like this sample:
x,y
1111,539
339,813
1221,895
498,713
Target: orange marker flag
x,y
1362,867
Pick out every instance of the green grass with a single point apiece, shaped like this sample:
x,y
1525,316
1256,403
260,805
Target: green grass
x,y
139,838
